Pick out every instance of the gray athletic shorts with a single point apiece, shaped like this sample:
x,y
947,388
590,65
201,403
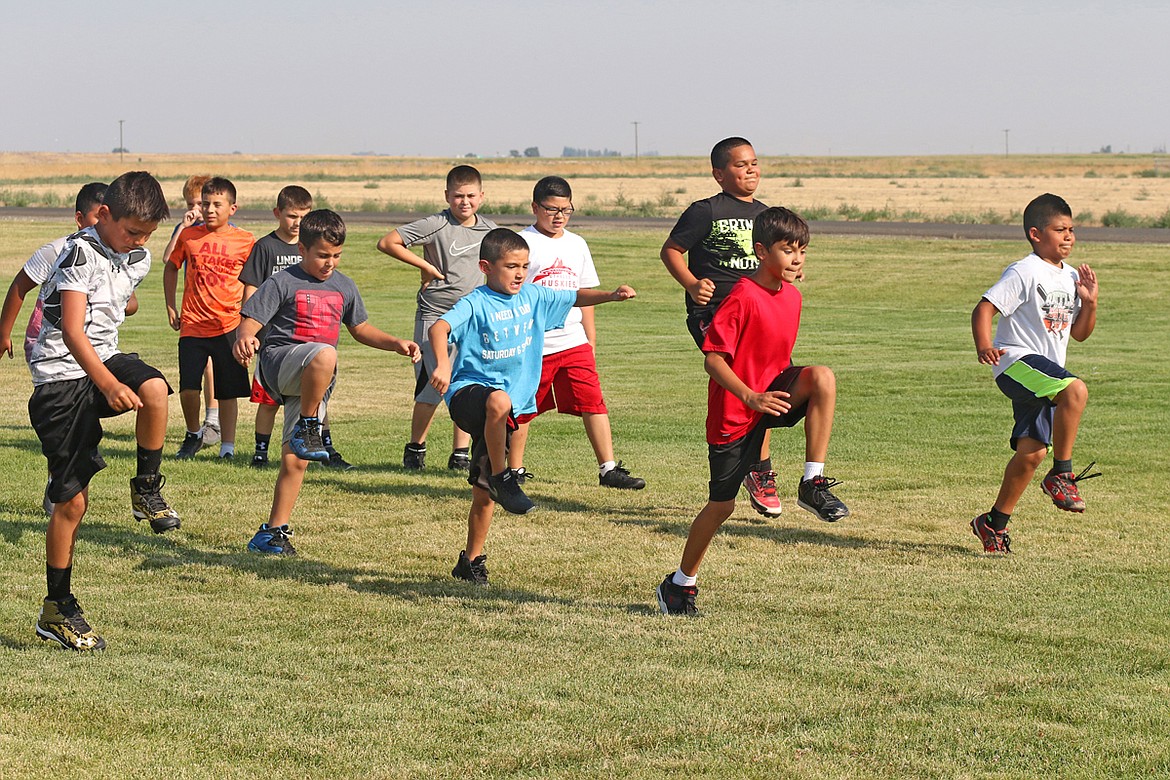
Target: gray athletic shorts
x,y
423,392
281,369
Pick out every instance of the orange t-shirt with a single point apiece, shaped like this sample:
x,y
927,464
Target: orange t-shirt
x,y
212,290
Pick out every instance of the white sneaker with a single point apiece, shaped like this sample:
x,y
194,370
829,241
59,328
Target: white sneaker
x,y
210,433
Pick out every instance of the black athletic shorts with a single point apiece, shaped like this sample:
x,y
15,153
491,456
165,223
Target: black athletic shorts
x,y
231,379
67,418
468,408
731,462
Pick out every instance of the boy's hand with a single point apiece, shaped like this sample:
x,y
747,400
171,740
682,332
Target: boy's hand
x,y
173,318
121,398
1087,284
701,291
244,349
441,379
192,216
429,274
6,344
773,402
410,349
624,293
991,356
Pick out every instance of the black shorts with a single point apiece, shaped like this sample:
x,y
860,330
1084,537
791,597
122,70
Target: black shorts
x,y
231,379
67,418
468,409
731,462
698,322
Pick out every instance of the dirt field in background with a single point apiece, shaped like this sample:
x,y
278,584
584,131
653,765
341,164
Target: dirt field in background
x,y
920,188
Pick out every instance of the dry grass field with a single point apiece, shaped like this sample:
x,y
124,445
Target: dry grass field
x,y
1103,188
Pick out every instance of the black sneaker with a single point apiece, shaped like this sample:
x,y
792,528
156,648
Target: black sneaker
x,y
460,460
273,541
63,622
505,490
192,443
306,440
813,495
147,503
677,599
259,460
414,457
337,462
474,571
620,478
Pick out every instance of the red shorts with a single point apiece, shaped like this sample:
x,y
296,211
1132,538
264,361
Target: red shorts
x,y
260,395
569,384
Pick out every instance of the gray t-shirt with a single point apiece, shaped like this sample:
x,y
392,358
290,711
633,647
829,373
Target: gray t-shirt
x,y
454,250
298,308
107,279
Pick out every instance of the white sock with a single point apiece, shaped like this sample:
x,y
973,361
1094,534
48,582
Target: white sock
x,y
212,417
812,469
606,467
227,448
196,432
681,579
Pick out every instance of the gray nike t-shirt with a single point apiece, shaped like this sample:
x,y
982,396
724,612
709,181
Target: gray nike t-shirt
x,y
454,251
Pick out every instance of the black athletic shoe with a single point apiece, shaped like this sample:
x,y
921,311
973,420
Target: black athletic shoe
x,y
813,495
677,599
259,460
192,443
147,503
505,490
337,462
414,457
620,478
474,571
460,460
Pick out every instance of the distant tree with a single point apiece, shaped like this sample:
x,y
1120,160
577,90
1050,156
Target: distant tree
x,y
514,153
121,150
532,151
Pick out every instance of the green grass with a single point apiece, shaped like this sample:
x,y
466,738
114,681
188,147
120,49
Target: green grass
x,y
883,646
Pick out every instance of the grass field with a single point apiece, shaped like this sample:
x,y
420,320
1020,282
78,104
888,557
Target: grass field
x,y
884,646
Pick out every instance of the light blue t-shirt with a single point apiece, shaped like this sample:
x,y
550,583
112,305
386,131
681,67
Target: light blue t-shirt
x,y
500,338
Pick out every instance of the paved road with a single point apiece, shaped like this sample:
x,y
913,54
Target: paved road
x,y
830,228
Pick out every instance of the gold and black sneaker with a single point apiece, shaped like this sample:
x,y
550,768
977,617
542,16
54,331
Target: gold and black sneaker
x,y
147,503
62,621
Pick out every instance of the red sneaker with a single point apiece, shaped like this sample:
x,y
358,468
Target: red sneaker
x,y
761,488
993,541
1062,488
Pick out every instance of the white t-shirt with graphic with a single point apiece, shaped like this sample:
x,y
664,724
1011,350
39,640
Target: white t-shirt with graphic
x,y
1037,303
561,264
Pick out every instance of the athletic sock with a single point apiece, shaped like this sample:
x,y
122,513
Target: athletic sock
x,y
606,467
999,521
763,465
212,417
1061,467
196,434
262,442
326,439
812,469
58,581
681,579
417,447
149,461
227,448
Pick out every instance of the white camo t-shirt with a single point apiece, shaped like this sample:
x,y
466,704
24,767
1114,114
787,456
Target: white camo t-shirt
x,y
107,279
1037,303
561,264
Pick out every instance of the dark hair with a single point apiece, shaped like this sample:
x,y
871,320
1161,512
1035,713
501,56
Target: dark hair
x,y
1042,210
495,245
92,194
721,152
322,224
463,174
136,194
294,197
551,187
218,185
779,224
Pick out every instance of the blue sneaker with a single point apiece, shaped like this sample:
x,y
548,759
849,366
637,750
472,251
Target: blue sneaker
x,y
273,541
306,440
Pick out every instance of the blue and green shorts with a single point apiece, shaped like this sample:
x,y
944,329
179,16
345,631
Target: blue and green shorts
x,y
1033,382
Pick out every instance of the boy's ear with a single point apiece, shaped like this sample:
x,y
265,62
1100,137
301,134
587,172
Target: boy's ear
x,y
1033,234
103,213
760,250
484,266
534,207
233,209
276,213
718,174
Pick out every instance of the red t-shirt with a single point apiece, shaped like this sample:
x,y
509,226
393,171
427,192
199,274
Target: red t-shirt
x,y
212,290
756,328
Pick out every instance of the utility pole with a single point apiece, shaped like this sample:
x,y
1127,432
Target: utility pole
x,y
121,143
635,124
1005,142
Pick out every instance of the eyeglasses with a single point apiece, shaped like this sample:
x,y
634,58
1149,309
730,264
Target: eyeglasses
x,y
555,212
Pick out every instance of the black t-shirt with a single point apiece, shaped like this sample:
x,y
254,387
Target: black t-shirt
x,y
269,256
716,233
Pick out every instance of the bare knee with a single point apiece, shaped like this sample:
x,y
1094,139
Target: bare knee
x,y
499,403
1076,395
325,360
822,381
153,392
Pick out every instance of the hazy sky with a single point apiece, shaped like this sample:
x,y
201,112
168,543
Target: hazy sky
x,y
442,78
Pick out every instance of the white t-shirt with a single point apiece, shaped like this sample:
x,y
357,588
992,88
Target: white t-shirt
x,y
1037,303
561,264
108,280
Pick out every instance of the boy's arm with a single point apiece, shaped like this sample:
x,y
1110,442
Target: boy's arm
x,y
249,291
170,284
674,258
981,319
393,245
246,342
189,218
20,287
594,297
589,323
1086,319
73,308
132,305
365,333
441,376
773,402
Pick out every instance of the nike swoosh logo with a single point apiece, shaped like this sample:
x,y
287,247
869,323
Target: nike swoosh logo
x,y
458,250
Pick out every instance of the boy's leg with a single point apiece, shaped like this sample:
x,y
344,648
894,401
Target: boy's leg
x,y
1018,474
703,529
61,618
189,401
1070,405
517,444
414,454
210,429
193,362
274,536
64,524
479,521
305,374
150,426
229,410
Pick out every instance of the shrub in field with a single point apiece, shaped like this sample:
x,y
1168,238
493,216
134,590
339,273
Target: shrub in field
x,y
1120,218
